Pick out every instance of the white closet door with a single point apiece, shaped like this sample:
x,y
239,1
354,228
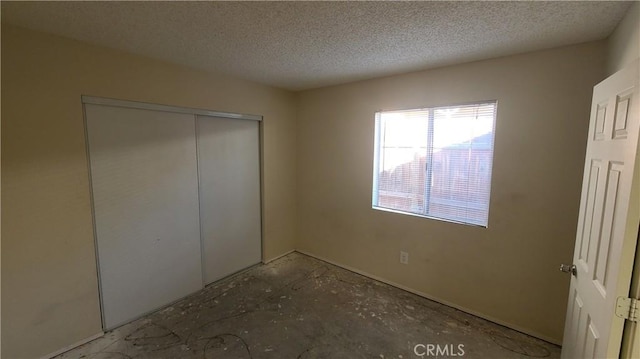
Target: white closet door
x,y
145,193
229,170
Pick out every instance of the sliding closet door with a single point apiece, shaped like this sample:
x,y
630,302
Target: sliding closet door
x,y
145,195
229,170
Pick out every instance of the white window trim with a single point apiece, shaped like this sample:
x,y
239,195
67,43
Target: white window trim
x,y
376,163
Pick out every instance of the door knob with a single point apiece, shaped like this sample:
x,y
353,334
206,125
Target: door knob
x,y
569,268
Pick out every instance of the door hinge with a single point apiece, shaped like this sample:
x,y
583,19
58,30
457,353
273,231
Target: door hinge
x,y
627,308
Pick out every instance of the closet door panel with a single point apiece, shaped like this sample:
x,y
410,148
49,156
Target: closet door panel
x,y
229,170
145,196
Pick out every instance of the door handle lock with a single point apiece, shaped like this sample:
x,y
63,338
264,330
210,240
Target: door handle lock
x,y
569,268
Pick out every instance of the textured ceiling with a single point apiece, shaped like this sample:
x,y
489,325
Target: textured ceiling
x,y
302,45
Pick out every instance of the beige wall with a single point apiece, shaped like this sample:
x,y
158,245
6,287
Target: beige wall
x,y
623,46
507,272
48,263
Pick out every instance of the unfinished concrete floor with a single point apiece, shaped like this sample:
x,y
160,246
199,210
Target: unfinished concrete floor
x,y
300,307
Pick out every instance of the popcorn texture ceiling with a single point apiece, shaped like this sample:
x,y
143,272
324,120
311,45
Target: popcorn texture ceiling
x,y
304,45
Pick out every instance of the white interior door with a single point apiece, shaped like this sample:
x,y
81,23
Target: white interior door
x,y
145,196
608,220
229,171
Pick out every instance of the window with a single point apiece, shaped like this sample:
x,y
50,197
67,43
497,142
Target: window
x,y
435,162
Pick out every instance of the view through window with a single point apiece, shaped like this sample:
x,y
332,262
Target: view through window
x,y
435,162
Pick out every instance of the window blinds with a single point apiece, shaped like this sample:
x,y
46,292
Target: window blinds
x,y
435,162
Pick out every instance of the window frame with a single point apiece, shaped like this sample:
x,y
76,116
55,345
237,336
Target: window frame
x,y
430,149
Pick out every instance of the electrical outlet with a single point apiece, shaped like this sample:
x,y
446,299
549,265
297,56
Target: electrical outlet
x,y
404,257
